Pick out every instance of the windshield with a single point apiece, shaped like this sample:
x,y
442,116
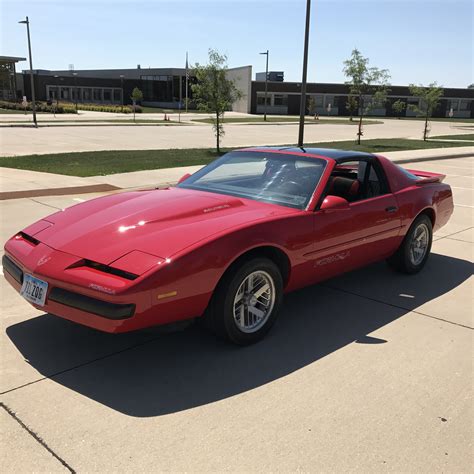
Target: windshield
x,y
283,179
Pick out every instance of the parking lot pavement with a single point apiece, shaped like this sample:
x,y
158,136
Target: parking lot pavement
x,y
28,140
369,372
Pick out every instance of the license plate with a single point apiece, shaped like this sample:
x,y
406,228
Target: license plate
x,y
34,290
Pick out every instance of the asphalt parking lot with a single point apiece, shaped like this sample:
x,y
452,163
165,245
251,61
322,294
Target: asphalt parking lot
x,y
369,372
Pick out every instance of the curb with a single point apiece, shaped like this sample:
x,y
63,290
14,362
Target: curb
x,y
93,188
431,158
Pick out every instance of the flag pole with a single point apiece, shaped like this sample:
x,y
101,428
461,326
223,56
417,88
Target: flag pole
x,y
187,79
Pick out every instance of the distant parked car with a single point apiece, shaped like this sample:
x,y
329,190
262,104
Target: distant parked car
x,y
226,243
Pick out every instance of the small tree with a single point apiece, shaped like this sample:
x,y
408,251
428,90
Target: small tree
x,y
399,106
368,84
214,92
312,106
137,96
430,97
351,106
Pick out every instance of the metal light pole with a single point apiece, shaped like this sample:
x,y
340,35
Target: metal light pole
x,y
121,86
266,88
303,81
33,101
75,89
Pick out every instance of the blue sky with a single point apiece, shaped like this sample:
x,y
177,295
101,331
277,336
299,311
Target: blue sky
x,y
419,41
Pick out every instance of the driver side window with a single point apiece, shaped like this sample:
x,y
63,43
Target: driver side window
x,y
356,180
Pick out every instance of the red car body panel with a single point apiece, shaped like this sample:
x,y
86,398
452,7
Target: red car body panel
x,y
165,251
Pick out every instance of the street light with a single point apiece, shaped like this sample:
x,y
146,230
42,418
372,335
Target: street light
x,y
33,101
303,81
121,86
266,88
75,89
56,82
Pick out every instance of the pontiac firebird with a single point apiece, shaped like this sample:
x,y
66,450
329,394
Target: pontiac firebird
x,y
227,242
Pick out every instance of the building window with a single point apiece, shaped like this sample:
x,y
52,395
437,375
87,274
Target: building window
x,y
76,93
319,100
98,95
453,104
86,94
280,99
261,100
464,105
117,95
53,92
107,95
64,93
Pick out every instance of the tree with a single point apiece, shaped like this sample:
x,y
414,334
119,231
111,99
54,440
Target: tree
x,y
368,84
312,106
214,92
399,106
137,96
351,106
430,97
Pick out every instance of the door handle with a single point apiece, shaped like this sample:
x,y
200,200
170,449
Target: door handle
x,y
391,209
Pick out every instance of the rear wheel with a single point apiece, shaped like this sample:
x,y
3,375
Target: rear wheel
x,y
246,302
413,253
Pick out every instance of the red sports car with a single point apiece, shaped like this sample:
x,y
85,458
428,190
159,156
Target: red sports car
x,y
227,242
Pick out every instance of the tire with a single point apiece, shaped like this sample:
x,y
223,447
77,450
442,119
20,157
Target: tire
x,y
411,256
232,302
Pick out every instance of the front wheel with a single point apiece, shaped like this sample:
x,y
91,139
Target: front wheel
x,y
246,302
413,253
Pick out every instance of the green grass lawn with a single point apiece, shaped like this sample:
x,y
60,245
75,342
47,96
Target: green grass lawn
x,y
433,119
11,111
85,123
111,162
467,136
259,119
159,110
28,112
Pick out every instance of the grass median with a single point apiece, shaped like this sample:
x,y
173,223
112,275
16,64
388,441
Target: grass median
x,y
273,120
97,163
467,136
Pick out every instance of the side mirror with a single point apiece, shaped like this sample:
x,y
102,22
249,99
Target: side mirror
x,y
184,178
335,203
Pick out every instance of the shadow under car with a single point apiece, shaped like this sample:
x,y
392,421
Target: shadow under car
x,y
155,372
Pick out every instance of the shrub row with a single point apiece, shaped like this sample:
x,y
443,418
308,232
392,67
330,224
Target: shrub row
x,y
40,107
126,109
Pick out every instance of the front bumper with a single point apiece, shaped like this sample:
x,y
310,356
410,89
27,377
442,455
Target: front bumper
x,y
73,305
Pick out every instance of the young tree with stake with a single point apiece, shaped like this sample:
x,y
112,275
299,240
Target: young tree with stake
x,y
214,92
429,100
365,81
137,96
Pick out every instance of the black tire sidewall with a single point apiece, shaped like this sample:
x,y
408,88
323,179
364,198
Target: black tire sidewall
x,y
225,300
409,267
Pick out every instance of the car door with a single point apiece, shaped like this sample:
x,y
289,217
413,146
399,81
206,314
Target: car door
x,y
364,232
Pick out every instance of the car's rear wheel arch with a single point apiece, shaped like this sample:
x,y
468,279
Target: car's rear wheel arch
x,y
429,211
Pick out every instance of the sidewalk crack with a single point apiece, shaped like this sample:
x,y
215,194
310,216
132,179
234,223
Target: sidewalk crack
x,y
37,437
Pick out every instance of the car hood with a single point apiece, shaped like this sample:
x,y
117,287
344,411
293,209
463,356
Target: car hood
x,y
159,222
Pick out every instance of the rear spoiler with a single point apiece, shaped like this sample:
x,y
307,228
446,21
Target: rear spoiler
x,y
425,177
